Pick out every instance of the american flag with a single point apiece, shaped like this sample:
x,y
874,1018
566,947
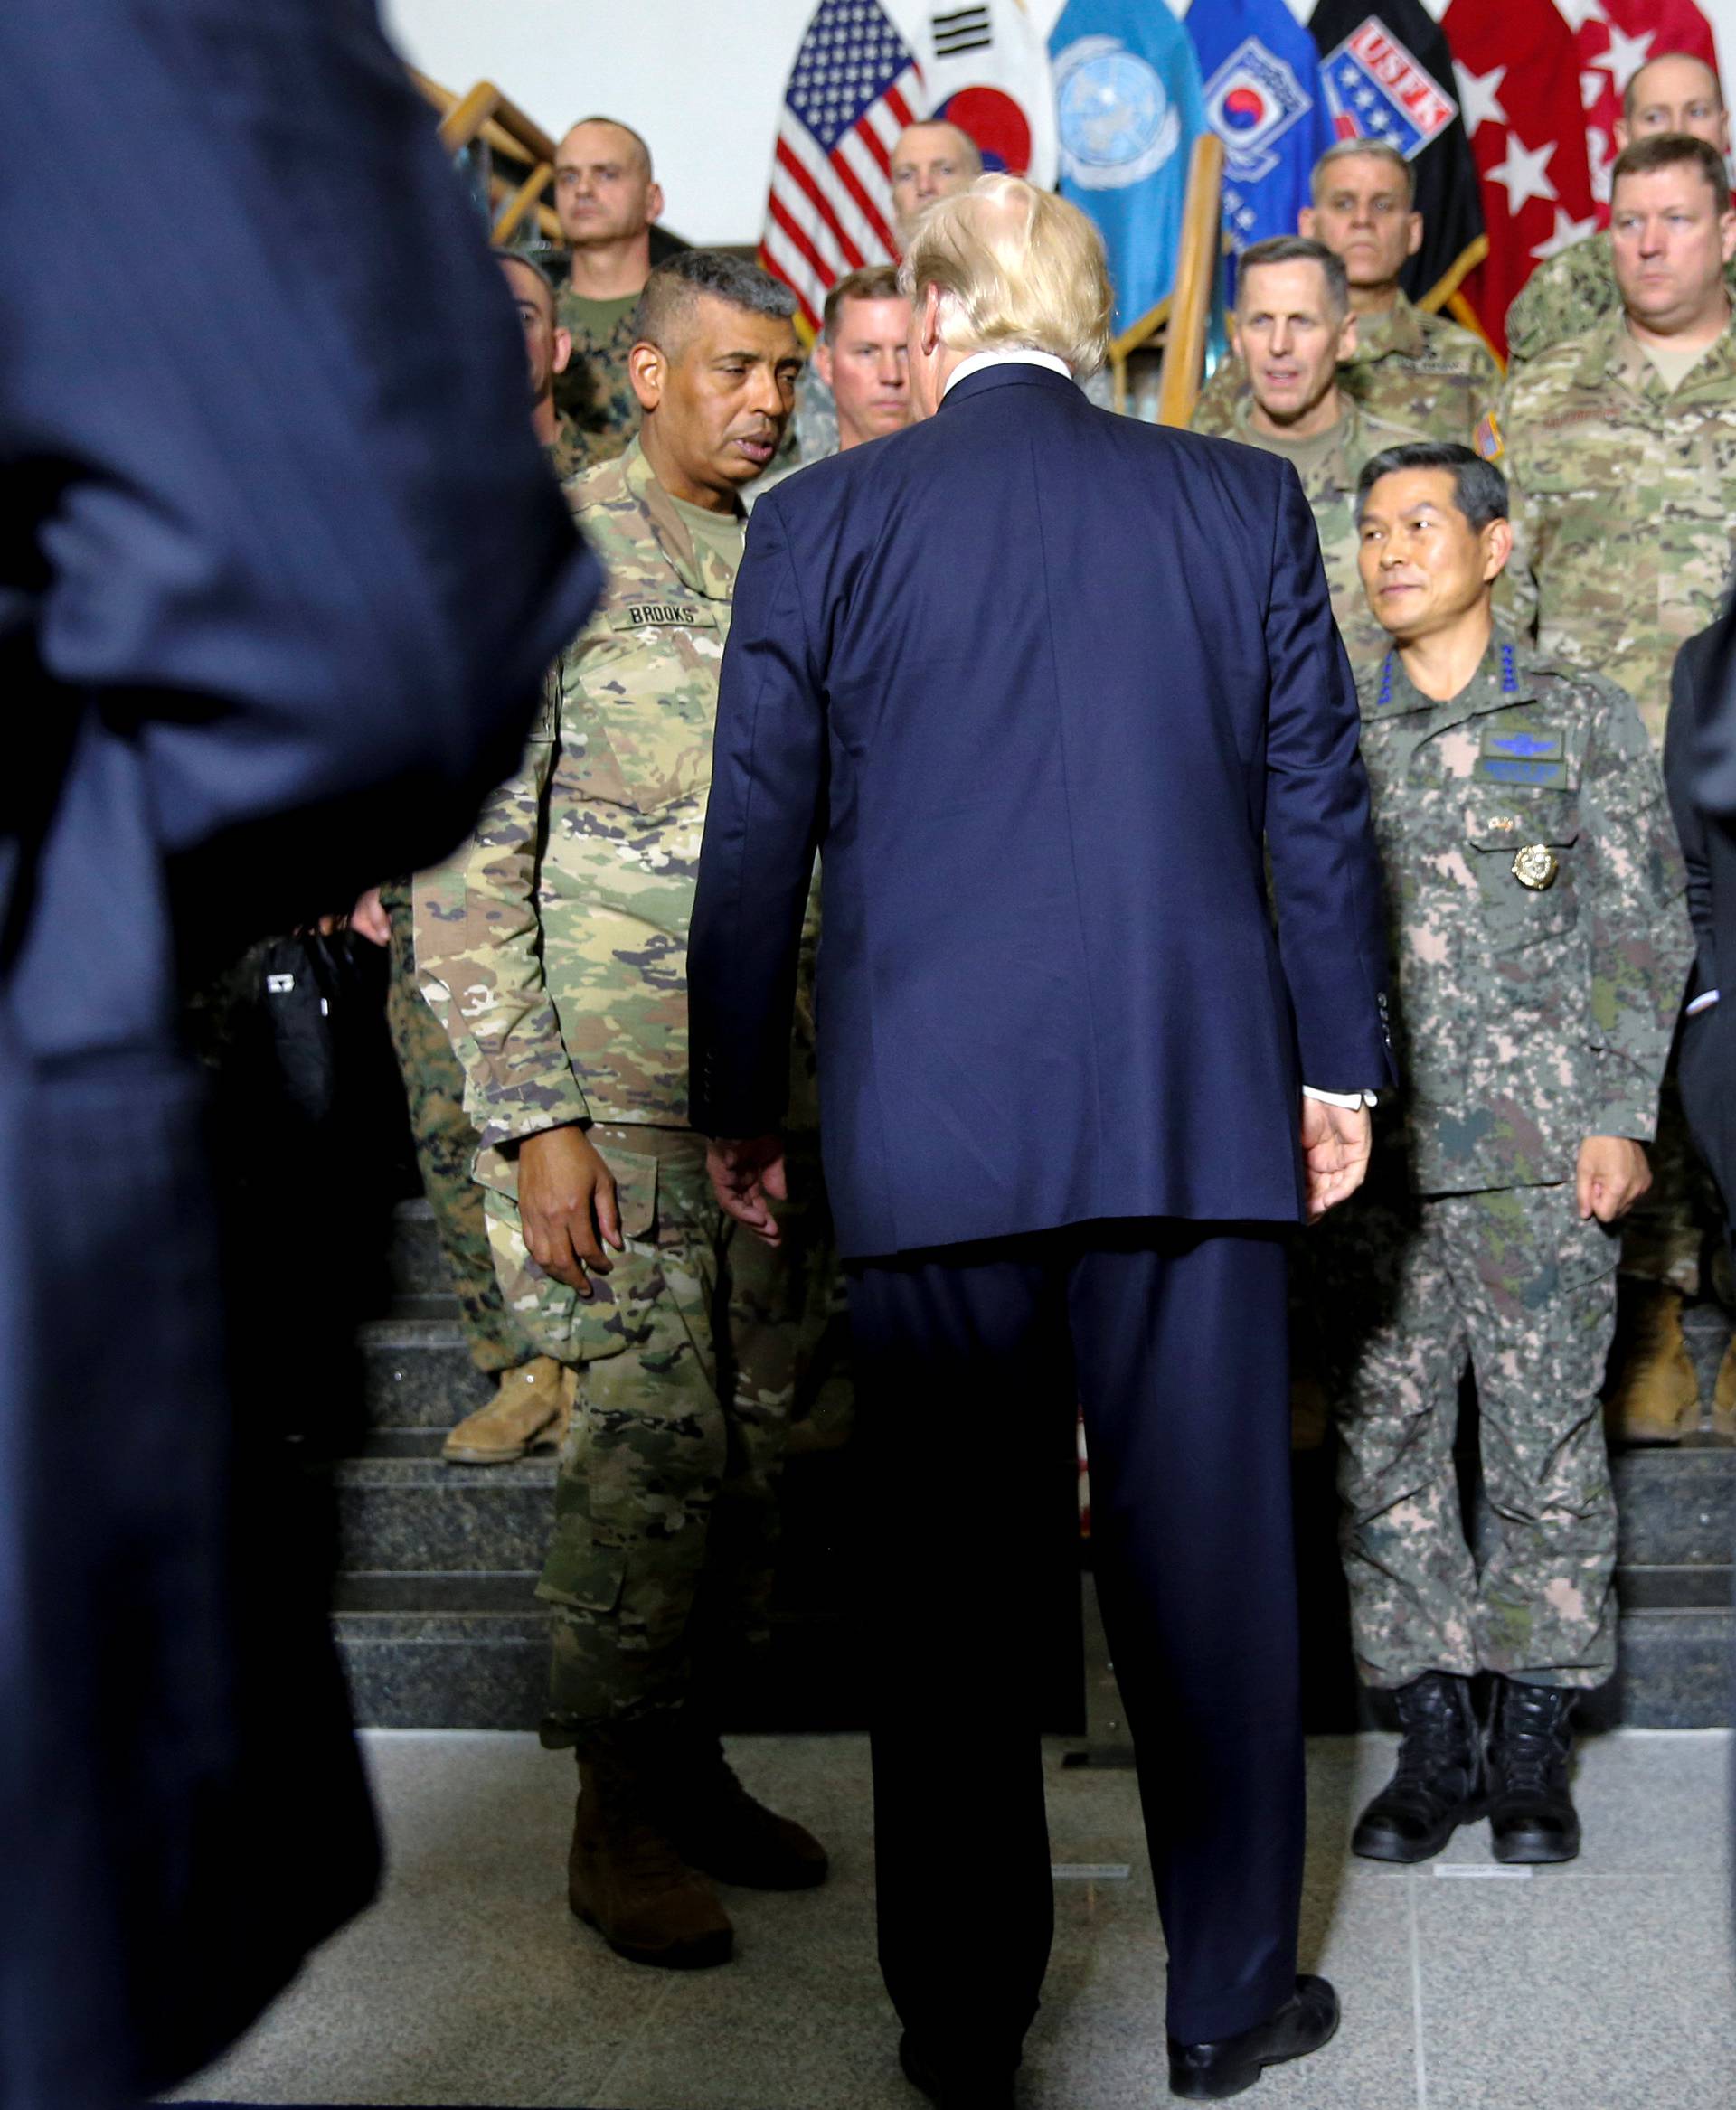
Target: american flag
x,y
854,89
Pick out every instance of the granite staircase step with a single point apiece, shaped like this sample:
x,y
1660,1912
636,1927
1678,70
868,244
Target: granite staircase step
x,y
440,1626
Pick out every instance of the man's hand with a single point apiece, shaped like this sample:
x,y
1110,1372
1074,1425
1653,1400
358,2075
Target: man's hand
x,y
747,1177
369,919
1613,1174
1335,1144
567,1206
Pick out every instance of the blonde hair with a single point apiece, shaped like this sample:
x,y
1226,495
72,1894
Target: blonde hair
x,y
1013,266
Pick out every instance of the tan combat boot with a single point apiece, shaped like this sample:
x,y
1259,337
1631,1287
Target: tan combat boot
x,y
529,1412
720,1827
1724,1397
1653,1396
626,1879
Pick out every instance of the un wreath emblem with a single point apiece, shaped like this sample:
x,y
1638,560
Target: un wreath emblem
x,y
1116,125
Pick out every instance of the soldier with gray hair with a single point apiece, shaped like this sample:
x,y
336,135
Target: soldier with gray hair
x,y
1539,940
1291,329
1415,371
554,949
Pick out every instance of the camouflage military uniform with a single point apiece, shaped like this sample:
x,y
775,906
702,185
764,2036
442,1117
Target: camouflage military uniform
x,y
446,1148
1330,487
1626,505
1410,368
595,391
1568,296
1527,1018
555,948
566,451
815,426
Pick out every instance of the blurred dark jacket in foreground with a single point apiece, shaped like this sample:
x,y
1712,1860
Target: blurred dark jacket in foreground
x,y
279,571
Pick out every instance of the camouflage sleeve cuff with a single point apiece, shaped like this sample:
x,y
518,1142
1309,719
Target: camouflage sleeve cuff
x,y
498,1124
1635,1118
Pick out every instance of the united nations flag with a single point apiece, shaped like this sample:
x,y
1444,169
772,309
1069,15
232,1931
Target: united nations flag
x,y
1129,105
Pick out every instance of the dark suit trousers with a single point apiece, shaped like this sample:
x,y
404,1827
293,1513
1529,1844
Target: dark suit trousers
x,y
969,1360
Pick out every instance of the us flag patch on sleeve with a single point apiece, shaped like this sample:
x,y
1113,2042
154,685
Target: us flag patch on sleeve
x,y
1488,440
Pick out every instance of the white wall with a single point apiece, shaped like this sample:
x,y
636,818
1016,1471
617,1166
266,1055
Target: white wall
x,y
701,79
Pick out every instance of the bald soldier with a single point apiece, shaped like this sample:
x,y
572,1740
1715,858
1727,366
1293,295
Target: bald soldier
x,y
1570,292
1409,367
1621,445
606,199
930,159
1291,329
554,948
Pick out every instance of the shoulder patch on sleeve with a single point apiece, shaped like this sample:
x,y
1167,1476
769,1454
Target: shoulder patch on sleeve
x,y
1488,440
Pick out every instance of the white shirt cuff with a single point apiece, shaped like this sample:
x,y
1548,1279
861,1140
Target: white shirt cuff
x,y
1703,1002
1352,1100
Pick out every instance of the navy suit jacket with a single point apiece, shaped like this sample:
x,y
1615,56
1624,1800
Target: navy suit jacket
x,y
280,572
1039,682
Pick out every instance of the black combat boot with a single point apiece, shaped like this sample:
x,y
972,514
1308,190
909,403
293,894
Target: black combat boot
x,y
1439,1783
1532,1817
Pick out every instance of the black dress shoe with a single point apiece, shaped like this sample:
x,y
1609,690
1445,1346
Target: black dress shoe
x,y
1439,1783
955,2091
1207,2073
1532,1817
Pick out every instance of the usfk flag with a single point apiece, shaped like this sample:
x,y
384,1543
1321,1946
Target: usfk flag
x,y
1265,100
1129,105
985,68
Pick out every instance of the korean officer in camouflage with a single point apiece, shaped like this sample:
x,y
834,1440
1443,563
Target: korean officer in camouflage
x,y
1622,451
1540,941
554,948
1571,292
606,199
1291,327
1408,368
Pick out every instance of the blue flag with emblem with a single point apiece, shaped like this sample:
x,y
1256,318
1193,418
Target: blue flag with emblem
x,y
1129,104
1265,100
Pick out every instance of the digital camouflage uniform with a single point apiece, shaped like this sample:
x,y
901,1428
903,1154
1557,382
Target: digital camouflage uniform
x,y
1330,489
595,391
445,1149
1410,368
566,451
1528,1018
1625,504
1568,296
556,949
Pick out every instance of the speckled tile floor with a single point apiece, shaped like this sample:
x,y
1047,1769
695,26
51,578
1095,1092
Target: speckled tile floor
x,y
1606,1985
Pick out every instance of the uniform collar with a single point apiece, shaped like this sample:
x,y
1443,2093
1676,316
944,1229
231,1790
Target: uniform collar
x,y
1345,433
1396,330
1612,353
1503,677
700,571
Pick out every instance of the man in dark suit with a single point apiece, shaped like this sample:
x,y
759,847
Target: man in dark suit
x,y
275,596
1040,682
1706,1057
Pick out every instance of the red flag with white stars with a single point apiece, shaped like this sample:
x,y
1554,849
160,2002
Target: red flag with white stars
x,y
1518,91
1615,39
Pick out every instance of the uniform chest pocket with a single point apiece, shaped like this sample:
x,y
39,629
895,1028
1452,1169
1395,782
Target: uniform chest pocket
x,y
1522,846
641,703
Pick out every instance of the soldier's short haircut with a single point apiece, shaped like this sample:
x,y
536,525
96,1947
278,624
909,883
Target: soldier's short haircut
x,y
877,282
1479,489
675,289
1366,150
526,262
638,139
1298,248
1662,150
973,153
1630,95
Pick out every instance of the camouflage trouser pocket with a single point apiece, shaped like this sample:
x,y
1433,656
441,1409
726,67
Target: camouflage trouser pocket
x,y
563,1325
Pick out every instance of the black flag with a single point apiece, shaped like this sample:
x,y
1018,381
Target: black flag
x,y
1388,75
